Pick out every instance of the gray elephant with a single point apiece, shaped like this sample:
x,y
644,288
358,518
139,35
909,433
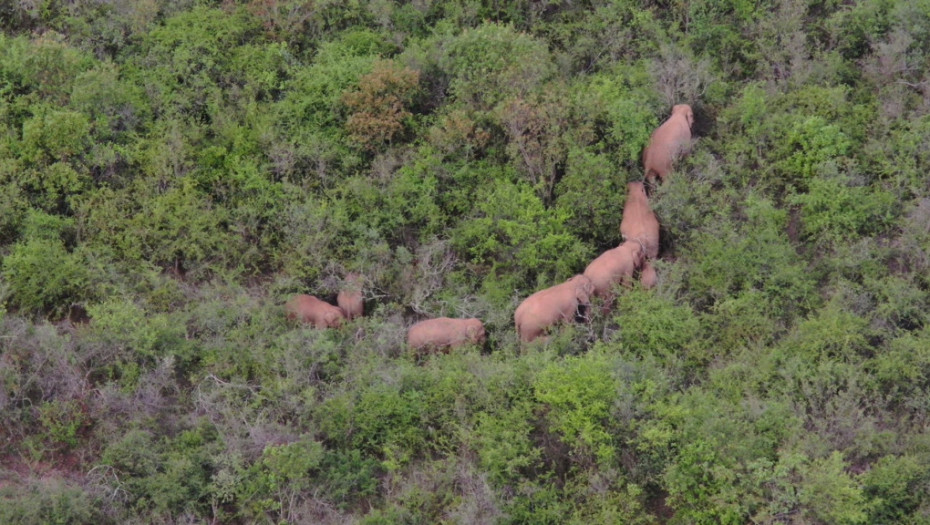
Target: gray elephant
x,y
444,333
613,267
668,143
639,222
309,309
551,306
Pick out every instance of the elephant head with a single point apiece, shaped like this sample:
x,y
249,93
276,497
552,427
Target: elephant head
x,y
684,111
584,289
474,329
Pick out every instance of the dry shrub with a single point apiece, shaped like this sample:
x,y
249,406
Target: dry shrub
x,y
458,132
434,260
379,105
678,77
536,127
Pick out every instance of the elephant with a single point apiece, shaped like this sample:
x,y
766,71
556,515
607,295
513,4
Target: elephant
x,y
309,309
615,266
444,333
556,304
639,223
668,143
350,297
647,276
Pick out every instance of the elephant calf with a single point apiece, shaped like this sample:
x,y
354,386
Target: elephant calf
x,y
308,309
639,223
669,141
444,333
551,306
614,267
350,297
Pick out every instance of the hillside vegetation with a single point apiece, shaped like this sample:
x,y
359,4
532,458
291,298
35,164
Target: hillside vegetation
x,y
172,172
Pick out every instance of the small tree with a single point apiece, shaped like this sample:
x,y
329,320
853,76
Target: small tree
x,y
379,105
536,129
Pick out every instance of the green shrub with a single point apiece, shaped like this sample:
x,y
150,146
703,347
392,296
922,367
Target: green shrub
x,y
43,277
191,57
895,487
504,445
539,503
510,232
591,193
624,106
830,333
115,105
579,393
46,66
833,211
695,482
810,142
166,477
492,61
718,30
901,368
854,30
133,339
50,500
177,228
828,493
348,477
651,324
281,472
727,258
52,136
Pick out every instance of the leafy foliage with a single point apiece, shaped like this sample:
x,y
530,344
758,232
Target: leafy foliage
x,y
173,172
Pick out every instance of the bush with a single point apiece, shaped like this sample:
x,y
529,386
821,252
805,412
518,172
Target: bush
x,y
651,324
176,228
833,211
590,194
504,445
379,106
757,254
43,277
136,338
826,492
578,394
895,487
165,477
509,232
50,500
493,61
623,105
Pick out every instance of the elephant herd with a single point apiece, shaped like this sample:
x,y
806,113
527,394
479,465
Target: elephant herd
x,y
562,303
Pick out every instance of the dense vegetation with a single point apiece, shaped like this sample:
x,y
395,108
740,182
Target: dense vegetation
x,y
172,171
